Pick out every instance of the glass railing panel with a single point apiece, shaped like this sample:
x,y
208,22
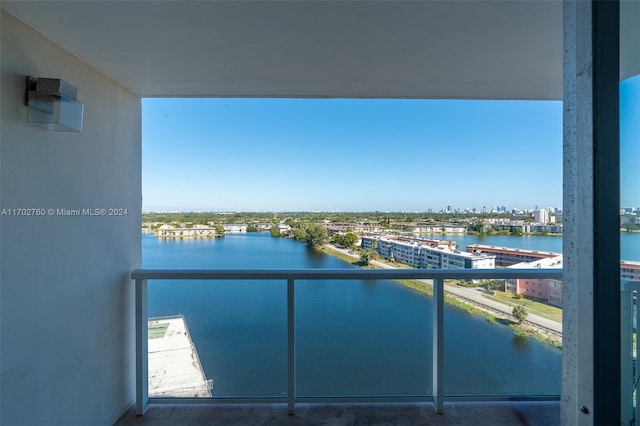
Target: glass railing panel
x,y
353,337
629,202
629,220
487,352
235,343
362,338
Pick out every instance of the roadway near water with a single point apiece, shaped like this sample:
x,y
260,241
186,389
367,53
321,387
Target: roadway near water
x,y
476,297
353,337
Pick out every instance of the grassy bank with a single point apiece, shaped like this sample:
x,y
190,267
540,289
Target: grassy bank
x,y
528,331
518,329
417,286
540,309
340,255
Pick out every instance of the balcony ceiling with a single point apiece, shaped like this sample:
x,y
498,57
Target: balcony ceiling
x,y
362,49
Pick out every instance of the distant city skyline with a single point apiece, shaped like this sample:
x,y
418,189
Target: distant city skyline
x,y
552,210
350,155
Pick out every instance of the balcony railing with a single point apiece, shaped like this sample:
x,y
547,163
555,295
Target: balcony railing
x,y
629,320
141,277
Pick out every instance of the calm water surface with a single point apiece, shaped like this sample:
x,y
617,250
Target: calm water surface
x,y
353,337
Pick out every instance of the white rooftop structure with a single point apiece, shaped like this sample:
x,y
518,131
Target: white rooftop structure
x,y
547,262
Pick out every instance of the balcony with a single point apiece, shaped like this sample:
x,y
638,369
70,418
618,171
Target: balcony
x,y
75,272
410,414
313,408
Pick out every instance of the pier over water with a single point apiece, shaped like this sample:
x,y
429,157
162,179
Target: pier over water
x,y
174,365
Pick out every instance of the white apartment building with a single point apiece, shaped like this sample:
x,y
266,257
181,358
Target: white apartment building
x,y
437,229
170,231
541,216
420,255
234,228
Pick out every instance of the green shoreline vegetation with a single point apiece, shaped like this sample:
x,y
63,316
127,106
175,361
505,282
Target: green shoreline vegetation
x,y
473,223
305,227
541,309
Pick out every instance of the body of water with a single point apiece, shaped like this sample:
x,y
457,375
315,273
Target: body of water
x,y
353,337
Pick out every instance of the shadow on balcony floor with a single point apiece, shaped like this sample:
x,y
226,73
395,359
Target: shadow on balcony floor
x,y
480,414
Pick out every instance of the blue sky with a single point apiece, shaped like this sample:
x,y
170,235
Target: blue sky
x,y
349,155
630,142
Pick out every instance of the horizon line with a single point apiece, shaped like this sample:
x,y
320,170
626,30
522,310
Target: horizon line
x,y
339,211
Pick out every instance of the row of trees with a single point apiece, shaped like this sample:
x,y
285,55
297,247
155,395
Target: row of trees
x,y
387,219
314,235
481,228
368,256
347,240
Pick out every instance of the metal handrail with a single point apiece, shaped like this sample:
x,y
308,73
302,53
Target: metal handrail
x,y
338,274
141,276
629,314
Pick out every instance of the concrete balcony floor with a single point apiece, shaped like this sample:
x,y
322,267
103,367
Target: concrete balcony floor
x,y
461,413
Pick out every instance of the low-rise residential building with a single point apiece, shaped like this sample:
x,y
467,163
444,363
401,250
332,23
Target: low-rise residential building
x,y
343,228
170,231
452,245
506,256
544,290
436,229
549,291
526,227
418,253
283,228
234,228
630,270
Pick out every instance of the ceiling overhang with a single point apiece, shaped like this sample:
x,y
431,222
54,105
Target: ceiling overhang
x,y
355,49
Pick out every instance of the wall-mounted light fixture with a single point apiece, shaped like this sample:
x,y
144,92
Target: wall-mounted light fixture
x,y
52,104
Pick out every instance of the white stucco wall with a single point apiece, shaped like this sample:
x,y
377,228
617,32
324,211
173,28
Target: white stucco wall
x,y
67,324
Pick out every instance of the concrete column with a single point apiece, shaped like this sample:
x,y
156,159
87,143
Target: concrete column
x,y
591,299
